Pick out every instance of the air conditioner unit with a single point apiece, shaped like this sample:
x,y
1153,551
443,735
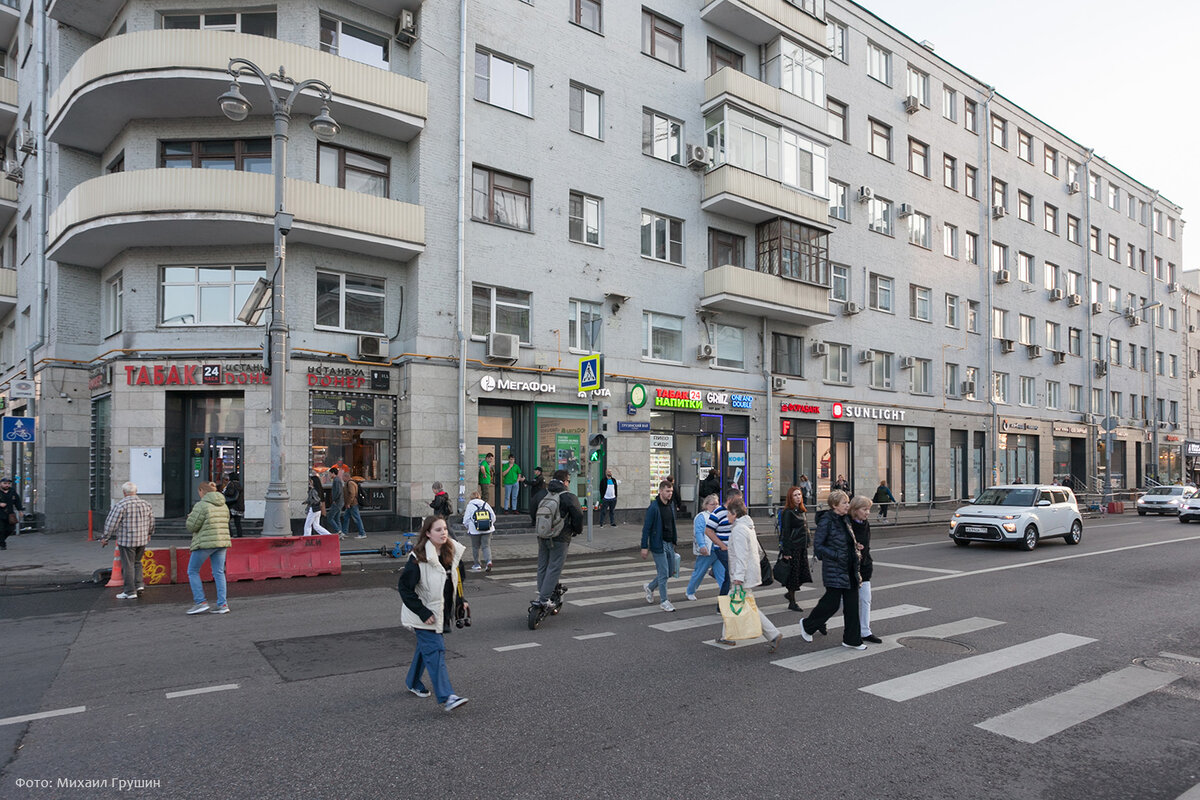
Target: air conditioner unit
x,y
968,388
1162,426
778,383
406,23
698,156
1097,308
26,141
1003,276
908,362
820,349
705,351
1191,328
503,346
1073,187
911,104
1074,300
14,171
1007,345
1101,369
865,193
851,308
1191,373
999,212
1034,350
1056,295
1172,288
1059,356
372,347
906,210
866,357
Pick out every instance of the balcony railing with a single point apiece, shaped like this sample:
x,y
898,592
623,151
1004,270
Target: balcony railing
x,y
761,294
760,21
8,283
745,195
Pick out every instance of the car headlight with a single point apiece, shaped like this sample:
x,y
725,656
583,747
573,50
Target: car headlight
x,y
953,523
1011,527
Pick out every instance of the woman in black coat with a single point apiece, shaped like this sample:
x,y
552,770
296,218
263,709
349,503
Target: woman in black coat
x,y
860,513
838,551
793,544
235,501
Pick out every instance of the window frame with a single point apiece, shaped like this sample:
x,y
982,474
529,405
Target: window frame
x,y
584,92
720,333
879,132
516,69
792,361
577,14
336,47
671,30
524,338
343,292
584,201
918,295
648,330
672,245
881,297
114,305
673,131
491,194
575,325
259,271
342,169
879,58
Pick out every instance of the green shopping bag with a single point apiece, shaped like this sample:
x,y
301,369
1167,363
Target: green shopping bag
x,y
739,613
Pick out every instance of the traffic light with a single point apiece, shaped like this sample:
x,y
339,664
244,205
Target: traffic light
x,y
596,444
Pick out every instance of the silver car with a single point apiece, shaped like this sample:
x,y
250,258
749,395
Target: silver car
x,y
1020,514
1163,500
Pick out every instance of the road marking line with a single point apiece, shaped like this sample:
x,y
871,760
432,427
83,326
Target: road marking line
x,y
1180,657
838,655
206,690
904,546
568,571
698,622
646,576
617,598
594,636
922,569
43,715
935,679
790,631
594,561
1040,720
1191,794
506,648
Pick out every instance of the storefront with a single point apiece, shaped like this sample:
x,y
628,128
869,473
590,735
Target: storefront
x,y
967,463
1070,454
692,435
1017,456
1191,457
812,448
1170,458
1117,459
906,462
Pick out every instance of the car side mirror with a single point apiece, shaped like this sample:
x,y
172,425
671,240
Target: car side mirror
x,y
1043,503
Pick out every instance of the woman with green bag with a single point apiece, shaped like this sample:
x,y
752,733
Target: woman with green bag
x,y
745,568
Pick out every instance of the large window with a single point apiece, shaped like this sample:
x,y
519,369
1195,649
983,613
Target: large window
x,y
585,326
352,170
349,302
662,337
882,293
495,309
205,295
802,72
662,39
500,198
587,106
787,355
879,213
259,23
503,83
879,63
791,250
731,347
880,143
114,305
725,248
355,43
584,219
837,364
587,13
662,237
662,137
243,155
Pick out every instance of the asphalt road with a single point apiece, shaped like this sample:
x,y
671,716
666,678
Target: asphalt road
x,y
1066,672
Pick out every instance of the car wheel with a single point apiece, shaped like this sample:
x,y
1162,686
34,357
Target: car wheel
x,y
1030,540
962,542
1141,513
1076,533
1182,518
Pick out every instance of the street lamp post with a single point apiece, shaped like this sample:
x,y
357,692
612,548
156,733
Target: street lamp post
x,y
1108,420
236,107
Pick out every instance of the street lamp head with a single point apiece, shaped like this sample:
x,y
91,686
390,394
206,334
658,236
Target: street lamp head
x,y
324,126
1155,304
234,104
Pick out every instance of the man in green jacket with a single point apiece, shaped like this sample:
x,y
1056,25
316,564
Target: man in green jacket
x,y
209,525
512,479
486,477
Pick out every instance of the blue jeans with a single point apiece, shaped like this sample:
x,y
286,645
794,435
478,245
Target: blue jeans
x,y
723,557
334,517
352,513
510,496
610,506
216,557
705,564
663,562
430,656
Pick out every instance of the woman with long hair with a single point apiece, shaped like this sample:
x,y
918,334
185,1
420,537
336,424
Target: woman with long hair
x,y
428,579
315,503
745,557
793,544
836,547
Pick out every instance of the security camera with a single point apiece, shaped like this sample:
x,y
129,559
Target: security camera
x,y
284,220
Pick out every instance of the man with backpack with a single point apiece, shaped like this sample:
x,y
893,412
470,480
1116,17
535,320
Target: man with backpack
x,y
559,518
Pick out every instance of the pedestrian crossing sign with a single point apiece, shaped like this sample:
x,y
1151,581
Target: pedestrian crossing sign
x,y
591,373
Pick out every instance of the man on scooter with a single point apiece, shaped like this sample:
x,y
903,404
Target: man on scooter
x,y
552,553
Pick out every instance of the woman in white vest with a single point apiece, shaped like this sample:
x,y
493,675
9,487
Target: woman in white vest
x,y
428,579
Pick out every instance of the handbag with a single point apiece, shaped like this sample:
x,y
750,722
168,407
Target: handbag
x,y
764,566
676,561
782,571
462,609
739,613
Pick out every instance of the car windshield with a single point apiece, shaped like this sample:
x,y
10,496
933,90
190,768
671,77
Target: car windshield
x,y
1160,490
1006,497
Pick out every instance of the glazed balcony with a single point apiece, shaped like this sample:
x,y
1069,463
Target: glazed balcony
x,y
8,201
728,82
762,294
750,197
8,104
180,73
8,290
198,207
10,17
760,21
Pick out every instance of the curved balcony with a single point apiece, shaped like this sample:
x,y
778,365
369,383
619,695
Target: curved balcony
x,y
180,73
760,21
198,207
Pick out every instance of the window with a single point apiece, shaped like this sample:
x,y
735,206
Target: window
x,y
787,355
918,230
662,137
881,370
1114,248
999,132
803,163
999,256
1051,219
971,115
837,119
662,337
1025,268
950,241
950,172
837,364
584,326
1171,318
971,248
1141,259
1093,186
840,286
1024,207
879,63
839,204
1114,198
879,213
1050,160
952,386
918,157
835,39
586,13
352,170
662,39
206,295
999,323
1072,229
1074,341
802,72
503,83
918,86
791,250
1133,205
1097,351
357,44
114,305
1173,416
951,311
1000,387
1050,275
243,155
731,348
1094,239
1028,391
971,377
1053,330
881,293
1171,230
720,56
1027,324
971,181
584,218
1053,395
1094,295
725,248
500,198
662,237
920,301
1024,146
973,316
260,24
1074,397
949,104
880,143
586,111
999,193
1130,255
1114,351
1072,171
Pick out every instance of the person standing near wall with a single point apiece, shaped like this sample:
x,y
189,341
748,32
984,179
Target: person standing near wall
x,y
131,521
209,525
511,477
236,502
10,510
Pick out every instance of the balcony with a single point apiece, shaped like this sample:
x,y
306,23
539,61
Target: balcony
x,y
10,17
728,82
180,73
761,294
8,104
737,193
8,290
8,201
760,21
200,207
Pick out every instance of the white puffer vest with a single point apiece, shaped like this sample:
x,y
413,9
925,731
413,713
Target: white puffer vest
x,y
429,588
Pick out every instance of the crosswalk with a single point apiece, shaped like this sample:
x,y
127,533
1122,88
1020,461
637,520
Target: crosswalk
x,y
603,583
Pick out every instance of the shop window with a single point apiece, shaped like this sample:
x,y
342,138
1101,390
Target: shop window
x,y
242,155
207,295
662,337
787,355
355,43
584,326
352,170
495,309
259,23
731,348
350,302
355,433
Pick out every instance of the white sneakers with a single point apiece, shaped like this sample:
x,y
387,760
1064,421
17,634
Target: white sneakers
x,y
454,701
476,568
649,594
805,635
691,597
127,596
855,647
665,605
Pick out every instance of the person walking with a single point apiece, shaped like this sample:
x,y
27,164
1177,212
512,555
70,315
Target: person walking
x,y
718,531
860,514
314,503
835,546
11,509
431,575
209,526
511,478
487,475
131,521
745,559
703,548
711,484
235,501
793,545
659,537
337,501
352,513
537,490
440,502
552,552
841,484
884,497
806,489
479,519
609,501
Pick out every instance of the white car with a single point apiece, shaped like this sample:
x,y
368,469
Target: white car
x,y
1021,514
1189,509
1163,500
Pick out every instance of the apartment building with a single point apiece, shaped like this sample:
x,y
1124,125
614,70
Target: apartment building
x,y
804,243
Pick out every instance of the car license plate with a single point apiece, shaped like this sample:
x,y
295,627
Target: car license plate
x,y
975,529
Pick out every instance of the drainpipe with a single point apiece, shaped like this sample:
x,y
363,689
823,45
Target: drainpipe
x,y
768,439
1154,420
1089,154
462,232
991,284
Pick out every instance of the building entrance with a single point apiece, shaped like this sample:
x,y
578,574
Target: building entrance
x,y
204,434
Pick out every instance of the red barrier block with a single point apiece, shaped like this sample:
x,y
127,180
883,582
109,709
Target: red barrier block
x,y
1116,507
182,556
156,565
283,557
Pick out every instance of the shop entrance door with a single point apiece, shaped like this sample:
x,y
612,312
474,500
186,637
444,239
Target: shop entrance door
x,y
212,457
499,449
737,461
834,459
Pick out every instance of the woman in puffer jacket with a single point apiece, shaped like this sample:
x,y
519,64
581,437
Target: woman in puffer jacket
x,y
745,557
836,547
209,525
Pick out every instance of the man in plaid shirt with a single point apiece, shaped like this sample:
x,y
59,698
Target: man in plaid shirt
x,y
131,520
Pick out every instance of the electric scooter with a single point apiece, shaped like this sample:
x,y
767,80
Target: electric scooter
x,y
538,612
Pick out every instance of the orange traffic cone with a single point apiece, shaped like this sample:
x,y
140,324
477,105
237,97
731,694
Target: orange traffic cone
x,y
117,578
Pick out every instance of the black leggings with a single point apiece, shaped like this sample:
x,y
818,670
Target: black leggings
x,y
827,606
